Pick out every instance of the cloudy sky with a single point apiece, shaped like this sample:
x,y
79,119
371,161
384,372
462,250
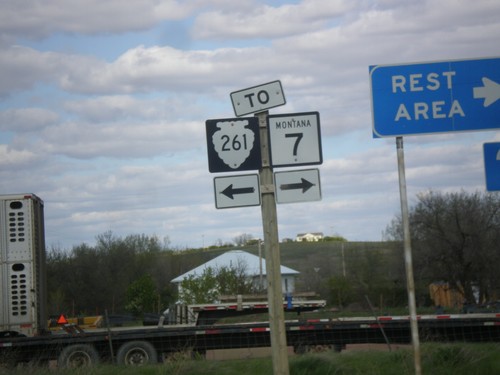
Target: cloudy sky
x,y
103,107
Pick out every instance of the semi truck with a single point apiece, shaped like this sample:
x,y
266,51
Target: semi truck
x,y
25,337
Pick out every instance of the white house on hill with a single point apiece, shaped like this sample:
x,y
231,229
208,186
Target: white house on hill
x,y
252,265
309,237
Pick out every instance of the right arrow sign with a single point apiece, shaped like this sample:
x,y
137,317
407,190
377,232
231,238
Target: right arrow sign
x,y
303,185
297,186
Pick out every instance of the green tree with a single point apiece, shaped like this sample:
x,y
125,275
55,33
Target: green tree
x,y
341,290
375,274
233,280
59,274
142,296
91,279
214,282
334,238
199,288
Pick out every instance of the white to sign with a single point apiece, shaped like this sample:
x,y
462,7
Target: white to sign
x,y
258,98
233,144
297,186
237,191
295,139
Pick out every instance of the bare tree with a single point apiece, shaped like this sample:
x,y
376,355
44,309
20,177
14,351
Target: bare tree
x,y
456,238
242,239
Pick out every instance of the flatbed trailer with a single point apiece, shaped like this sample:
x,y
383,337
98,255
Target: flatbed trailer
x,y
148,345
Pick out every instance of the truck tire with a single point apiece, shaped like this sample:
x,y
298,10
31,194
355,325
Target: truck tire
x,y
137,353
78,355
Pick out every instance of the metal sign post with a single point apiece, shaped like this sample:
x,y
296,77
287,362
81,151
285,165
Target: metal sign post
x,y
410,283
272,254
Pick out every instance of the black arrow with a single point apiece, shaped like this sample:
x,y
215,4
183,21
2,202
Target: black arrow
x,y
304,185
229,191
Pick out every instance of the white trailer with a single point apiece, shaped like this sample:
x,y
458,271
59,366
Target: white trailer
x,y
22,265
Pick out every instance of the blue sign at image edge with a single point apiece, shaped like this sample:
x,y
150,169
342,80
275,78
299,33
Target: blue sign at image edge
x,y
492,165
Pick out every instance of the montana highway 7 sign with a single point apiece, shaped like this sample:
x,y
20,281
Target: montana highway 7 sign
x,y
258,98
492,165
297,186
295,139
435,97
233,144
237,191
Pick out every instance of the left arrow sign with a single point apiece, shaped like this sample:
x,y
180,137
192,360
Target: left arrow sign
x,y
237,191
230,191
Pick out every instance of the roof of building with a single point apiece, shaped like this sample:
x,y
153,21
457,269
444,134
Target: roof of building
x,y
234,259
310,233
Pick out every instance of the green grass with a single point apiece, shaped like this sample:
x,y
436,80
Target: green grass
x,y
437,359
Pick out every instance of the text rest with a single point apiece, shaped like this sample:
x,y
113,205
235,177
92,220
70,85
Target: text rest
x,y
434,110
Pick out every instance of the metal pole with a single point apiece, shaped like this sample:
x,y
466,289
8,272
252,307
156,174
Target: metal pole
x,y
261,283
343,261
410,283
110,341
272,254
378,323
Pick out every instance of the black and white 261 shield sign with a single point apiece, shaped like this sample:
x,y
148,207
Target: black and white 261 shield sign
x,y
233,144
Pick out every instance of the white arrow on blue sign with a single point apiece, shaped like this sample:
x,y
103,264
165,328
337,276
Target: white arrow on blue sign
x,y
435,97
492,165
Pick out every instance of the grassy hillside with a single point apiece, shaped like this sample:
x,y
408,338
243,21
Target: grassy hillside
x,y
327,255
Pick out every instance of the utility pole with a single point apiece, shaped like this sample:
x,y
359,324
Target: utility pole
x,y
272,254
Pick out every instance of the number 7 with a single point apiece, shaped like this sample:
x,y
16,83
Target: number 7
x,y
296,145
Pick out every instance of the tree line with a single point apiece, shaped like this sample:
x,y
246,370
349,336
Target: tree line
x,y
455,239
110,275
130,274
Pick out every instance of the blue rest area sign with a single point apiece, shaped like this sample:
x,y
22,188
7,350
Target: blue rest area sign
x,y
492,165
435,97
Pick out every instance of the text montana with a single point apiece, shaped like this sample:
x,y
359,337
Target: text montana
x,y
293,123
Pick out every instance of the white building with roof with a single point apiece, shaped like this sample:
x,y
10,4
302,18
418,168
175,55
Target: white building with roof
x,y
252,264
309,237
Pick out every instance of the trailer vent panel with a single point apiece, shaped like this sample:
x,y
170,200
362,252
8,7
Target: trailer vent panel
x,y
19,291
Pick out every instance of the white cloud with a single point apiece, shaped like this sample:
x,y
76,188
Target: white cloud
x,y
21,68
119,108
266,21
120,144
84,140
26,119
157,68
34,19
12,159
